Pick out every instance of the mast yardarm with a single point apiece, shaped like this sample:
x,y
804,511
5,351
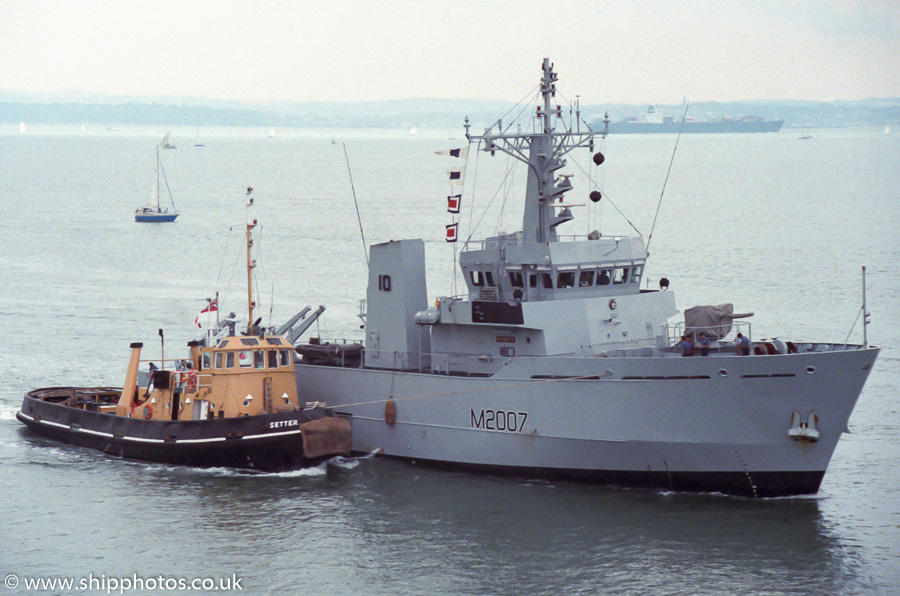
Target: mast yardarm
x,y
543,151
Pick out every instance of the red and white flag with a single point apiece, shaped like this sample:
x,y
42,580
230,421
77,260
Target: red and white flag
x,y
451,232
208,316
453,203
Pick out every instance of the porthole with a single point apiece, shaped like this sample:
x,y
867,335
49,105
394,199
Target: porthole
x,y
723,373
810,370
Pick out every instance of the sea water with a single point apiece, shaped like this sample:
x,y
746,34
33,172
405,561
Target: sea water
x,y
776,225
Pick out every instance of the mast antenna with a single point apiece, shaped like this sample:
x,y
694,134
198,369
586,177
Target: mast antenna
x,y
669,171
356,204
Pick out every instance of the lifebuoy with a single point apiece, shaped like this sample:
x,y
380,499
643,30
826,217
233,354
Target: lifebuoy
x,y
192,380
148,412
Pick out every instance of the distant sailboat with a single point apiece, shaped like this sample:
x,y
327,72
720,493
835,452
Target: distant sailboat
x,y
412,131
83,129
271,132
199,143
22,127
152,212
887,129
167,143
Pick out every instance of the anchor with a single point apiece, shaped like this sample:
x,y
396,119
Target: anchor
x,y
804,430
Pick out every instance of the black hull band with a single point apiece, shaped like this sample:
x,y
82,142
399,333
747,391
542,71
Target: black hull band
x,y
743,484
265,443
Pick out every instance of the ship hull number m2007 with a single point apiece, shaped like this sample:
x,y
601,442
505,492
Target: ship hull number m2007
x,y
499,420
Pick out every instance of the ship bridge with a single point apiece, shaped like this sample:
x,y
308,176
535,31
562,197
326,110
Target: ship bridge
x,y
505,268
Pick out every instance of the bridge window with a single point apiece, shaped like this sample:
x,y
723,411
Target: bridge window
x,y
603,278
259,359
245,360
273,359
586,279
636,274
515,279
205,360
620,275
546,280
219,360
285,357
477,278
229,360
565,279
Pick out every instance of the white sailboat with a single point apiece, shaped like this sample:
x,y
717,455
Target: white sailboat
x,y
22,127
199,143
167,142
152,212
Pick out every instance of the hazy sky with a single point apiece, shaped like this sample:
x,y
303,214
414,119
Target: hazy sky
x,y
605,50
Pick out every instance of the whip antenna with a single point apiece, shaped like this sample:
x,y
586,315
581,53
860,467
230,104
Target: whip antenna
x,y
356,204
669,171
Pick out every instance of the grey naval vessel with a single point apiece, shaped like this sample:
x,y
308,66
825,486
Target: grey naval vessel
x,y
557,364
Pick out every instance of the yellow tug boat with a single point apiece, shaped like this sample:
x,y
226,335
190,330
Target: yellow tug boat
x,y
233,403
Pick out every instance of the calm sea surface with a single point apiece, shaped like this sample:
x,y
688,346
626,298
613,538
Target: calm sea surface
x,y
776,225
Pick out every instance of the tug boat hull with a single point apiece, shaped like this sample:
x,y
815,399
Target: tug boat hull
x,y
264,443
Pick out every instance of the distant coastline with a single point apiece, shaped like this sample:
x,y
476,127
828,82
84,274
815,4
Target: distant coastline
x,y
80,108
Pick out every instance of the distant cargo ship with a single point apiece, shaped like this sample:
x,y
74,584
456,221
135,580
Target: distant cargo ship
x,y
653,122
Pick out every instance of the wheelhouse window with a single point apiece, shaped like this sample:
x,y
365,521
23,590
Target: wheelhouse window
x,y
604,277
620,275
229,360
259,359
546,280
489,279
586,279
532,281
565,279
273,359
205,360
515,279
636,274
245,359
477,278
219,360
285,357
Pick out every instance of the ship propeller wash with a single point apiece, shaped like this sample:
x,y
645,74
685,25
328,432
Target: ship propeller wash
x,y
556,363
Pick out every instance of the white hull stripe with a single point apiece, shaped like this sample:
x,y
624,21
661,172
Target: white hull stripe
x,y
143,440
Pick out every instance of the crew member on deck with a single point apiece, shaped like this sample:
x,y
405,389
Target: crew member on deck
x,y
704,344
742,345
